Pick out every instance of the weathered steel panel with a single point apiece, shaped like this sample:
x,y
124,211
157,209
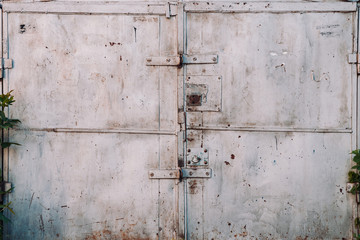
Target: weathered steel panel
x,y
295,75
92,186
98,120
279,147
91,69
272,186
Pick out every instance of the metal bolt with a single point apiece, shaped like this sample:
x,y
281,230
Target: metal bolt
x,y
205,150
171,174
168,60
190,173
189,162
205,162
207,173
189,150
151,174
214,59
194,58
148,60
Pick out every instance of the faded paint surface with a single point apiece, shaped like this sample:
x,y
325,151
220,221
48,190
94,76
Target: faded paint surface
x,y
285,80
276,115
93,117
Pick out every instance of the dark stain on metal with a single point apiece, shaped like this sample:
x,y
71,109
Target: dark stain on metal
x,y
135,33
193,186
22,28
227,163
32,197
232,156
114,43
194,99
42,227
120,58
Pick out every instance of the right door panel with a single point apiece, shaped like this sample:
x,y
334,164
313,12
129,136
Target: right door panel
x,y
279,143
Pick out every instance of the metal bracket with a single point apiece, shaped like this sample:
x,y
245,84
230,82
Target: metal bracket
x,y
200,59
7,64
352,58
179,173
196,172
163,61
197,157
165,174
6,187
170,9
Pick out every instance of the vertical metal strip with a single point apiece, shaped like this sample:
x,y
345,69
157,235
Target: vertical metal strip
x,y
186,234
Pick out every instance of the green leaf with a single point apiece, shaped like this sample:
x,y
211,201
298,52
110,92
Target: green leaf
x,y
357,167
3,218
8,144
356,159
355,151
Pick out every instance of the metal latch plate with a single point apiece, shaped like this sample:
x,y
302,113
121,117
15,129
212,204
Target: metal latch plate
x,y
196,172
203,93
200,59
164,174
197,157
163,61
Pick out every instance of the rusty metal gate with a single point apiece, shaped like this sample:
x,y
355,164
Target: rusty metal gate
x,y
181,120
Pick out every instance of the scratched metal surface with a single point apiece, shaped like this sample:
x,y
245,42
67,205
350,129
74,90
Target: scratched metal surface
x,y
94,117
284,76
295,75
272,186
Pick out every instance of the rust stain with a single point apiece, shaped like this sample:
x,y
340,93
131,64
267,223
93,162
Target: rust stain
x,y
227,163
114,43
232,156
193,187
107,235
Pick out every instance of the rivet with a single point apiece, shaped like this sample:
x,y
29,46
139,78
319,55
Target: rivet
x,y
189,162
151,174
190,173
168,60
189,150
214,59
207,173
205,150
171,174
194,58
148,60
205,162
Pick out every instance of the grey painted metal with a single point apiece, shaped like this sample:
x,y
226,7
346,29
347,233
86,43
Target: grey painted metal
x,y
98,120
271,97
279,147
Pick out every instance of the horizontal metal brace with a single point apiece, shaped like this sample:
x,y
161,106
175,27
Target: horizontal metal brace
x,y
200,59
91,7
196,172
164,174
180,173
163,61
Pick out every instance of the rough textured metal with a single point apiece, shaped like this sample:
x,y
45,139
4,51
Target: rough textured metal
x,y
279,147
98,120
274,106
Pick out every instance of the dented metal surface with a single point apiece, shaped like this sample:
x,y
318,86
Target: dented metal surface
x,y
181,120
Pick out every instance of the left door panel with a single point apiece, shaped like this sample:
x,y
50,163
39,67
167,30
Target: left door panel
x,y
95,120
